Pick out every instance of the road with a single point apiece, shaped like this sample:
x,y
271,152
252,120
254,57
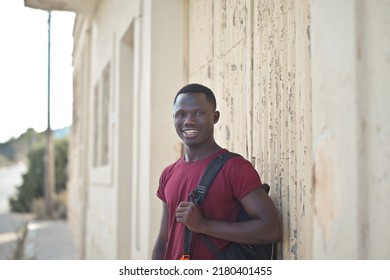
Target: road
x,y
10,178
10,223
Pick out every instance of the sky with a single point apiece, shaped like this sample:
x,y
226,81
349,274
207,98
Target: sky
x,y
24,69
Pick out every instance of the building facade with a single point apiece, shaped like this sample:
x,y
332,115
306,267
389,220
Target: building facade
x,y
302,88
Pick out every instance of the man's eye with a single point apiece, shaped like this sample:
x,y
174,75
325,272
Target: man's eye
x,y
199,113
179,115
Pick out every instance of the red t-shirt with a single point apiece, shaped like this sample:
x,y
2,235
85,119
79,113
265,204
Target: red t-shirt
x,y
235,180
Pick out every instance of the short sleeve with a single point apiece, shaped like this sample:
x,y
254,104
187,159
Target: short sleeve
x,y
244,178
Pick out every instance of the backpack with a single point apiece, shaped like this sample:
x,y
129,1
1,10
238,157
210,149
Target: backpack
x,y
233,251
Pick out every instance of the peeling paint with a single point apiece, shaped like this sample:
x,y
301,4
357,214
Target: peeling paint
x,y
260,62
227,137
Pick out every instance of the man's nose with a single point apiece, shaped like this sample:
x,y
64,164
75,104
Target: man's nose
x,y
189,119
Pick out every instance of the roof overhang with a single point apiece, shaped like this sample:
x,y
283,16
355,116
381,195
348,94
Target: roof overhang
x,y
77,6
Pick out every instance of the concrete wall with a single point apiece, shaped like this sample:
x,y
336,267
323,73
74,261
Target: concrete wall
x,y
79,152
113,208
351,82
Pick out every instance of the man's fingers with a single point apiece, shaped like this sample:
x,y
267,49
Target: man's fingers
x,y
184,204
183,208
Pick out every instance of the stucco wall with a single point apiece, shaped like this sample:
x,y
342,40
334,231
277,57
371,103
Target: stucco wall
x,y
117,215
351,66
78,164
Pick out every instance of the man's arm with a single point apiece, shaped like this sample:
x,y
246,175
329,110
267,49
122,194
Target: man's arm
x,y
162,237
265,226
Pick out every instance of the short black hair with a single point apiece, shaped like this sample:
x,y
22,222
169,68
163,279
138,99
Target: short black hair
x,y
198,88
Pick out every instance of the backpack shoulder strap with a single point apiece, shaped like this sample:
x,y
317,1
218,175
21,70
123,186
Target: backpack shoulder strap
x,y
209,175
198,194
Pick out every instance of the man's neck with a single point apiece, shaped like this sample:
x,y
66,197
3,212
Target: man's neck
x,y
194,154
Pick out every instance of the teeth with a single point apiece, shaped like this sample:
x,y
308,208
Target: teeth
x,y
192,131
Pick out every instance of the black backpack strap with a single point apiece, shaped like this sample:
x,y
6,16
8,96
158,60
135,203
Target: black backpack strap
x,y
198,194
217,253
187,244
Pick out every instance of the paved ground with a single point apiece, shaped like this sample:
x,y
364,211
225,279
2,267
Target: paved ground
x,y
49,240
12,229
21,237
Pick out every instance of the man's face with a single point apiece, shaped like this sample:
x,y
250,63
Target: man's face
x,y
194,118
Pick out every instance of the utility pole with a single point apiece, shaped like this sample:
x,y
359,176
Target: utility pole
x,y
49,158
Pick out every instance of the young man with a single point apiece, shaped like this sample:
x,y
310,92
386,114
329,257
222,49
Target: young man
x,y
238,183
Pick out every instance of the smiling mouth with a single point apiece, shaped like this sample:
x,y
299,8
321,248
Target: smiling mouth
x,y
190,132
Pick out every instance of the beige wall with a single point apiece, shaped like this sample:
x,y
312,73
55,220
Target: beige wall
x,y
78,166
256,57
114,210
351,82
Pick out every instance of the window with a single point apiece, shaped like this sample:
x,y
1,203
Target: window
x,y
101,119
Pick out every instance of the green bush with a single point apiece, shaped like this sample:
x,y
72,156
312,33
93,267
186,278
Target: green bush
x,y
34,180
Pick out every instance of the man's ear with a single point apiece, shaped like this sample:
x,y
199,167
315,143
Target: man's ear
x,y
216,116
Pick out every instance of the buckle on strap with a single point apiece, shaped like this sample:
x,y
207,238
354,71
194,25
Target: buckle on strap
x,y
197,194
200,189
185,257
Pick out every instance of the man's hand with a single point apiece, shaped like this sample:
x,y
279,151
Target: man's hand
x,y
190,215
